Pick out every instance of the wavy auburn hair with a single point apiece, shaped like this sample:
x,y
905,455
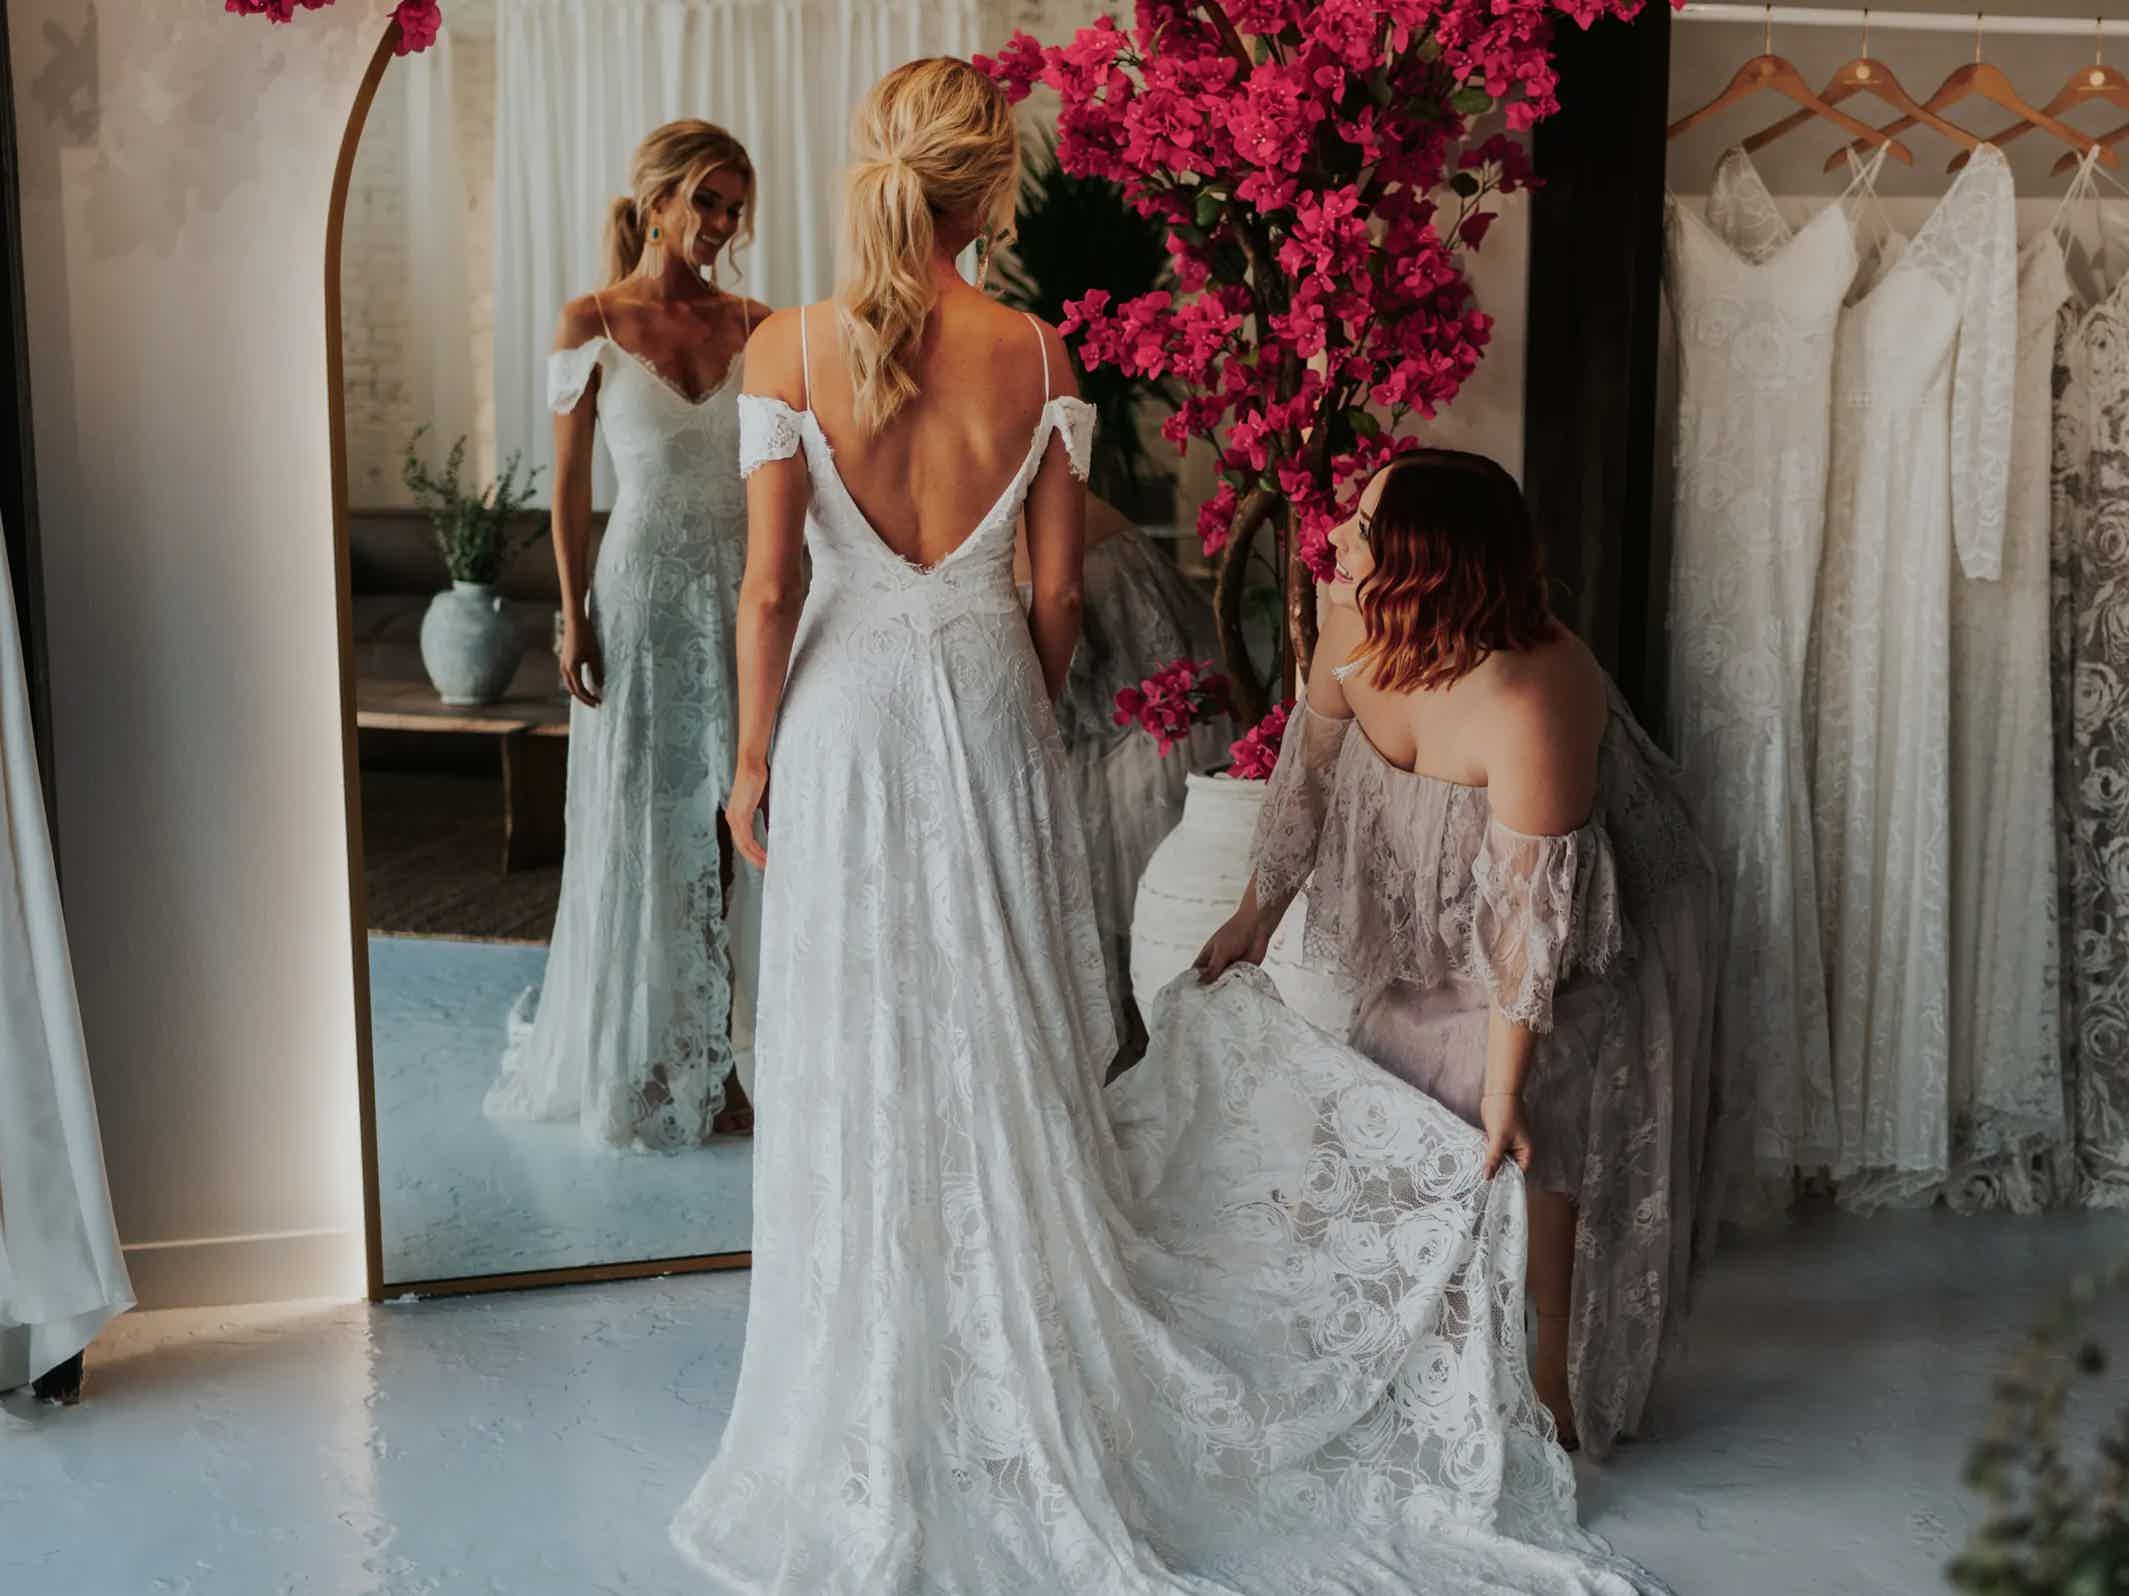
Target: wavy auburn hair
x,y
1458,572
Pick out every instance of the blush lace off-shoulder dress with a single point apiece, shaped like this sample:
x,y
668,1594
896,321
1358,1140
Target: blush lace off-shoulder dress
x,y
1605,941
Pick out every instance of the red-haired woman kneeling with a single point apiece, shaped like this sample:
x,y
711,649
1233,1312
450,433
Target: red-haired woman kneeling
x,y
1504,867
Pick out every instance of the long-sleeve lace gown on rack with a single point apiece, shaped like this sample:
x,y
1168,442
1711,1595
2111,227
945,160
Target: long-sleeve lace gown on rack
x,y
2006,1084
1247,1324
1604,941
1923,376
628,1033
1755,305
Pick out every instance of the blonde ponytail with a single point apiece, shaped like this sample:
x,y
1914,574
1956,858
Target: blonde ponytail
x,y
623,246
934,138
676,158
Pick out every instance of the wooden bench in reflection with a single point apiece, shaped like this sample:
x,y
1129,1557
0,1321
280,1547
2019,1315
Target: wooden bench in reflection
x,y
531,726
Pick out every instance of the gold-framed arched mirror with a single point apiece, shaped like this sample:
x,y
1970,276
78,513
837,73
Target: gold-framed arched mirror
x,y
474,185
482,1171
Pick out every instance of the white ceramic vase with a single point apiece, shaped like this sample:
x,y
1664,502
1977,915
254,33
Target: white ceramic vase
x,y
468,645
1192,884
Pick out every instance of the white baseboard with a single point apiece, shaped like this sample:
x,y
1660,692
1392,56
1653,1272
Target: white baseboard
x,y
221,1271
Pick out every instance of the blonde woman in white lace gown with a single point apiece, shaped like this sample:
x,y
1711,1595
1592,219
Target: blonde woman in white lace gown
x,y
1506,870
628,1034
1243,1326
1924,368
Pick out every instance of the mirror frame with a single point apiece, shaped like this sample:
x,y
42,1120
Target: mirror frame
x,y
379,1289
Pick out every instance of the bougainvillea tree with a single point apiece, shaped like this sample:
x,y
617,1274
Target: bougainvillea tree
x,y
419,20
1320,166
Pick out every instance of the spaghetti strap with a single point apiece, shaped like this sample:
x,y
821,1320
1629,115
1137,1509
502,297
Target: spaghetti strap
x,y
805,364
599,305
1042,344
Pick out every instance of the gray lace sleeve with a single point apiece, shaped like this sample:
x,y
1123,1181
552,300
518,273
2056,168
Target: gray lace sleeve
x,y
1295,802
1545,908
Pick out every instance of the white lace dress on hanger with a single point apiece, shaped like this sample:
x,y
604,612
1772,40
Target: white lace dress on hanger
x,y
2006,1087
1248,1322
1755,306
628,1033
2091,637
1924,371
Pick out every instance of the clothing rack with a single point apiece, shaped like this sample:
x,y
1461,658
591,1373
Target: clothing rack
x,y
1961,22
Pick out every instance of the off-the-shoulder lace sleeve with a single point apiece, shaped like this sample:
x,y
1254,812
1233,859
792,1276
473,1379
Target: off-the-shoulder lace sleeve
x,y
1075,424
569,374
1290,824
768,430
1545,907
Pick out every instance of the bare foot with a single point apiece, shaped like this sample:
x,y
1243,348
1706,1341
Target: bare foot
x,y
736,1118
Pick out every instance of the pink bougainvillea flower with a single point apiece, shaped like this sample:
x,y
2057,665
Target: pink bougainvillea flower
x,y
1172,700
420,21
1255,755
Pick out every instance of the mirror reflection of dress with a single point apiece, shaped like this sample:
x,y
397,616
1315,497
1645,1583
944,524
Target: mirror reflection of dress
x,y
629,1034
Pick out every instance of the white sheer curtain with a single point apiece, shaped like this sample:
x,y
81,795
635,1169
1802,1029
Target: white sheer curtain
x,y
441,370
61,1273
578,84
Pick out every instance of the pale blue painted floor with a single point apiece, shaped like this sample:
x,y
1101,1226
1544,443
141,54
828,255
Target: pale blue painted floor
x,y
461,1194
535,1444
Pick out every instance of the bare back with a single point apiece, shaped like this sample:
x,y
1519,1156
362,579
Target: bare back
x,y
931,476
1526,724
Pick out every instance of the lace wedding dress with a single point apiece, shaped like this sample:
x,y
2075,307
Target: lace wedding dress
x,y
2006,1085
2091,637
1248,1322
628,1034
1924,371
1755,306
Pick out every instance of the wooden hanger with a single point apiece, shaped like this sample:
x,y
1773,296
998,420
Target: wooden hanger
x,y
1864,75
1769,71
2095,82
2107,143
1981,78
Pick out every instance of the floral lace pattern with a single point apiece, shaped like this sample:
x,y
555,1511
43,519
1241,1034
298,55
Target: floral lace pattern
x,y
1245,1325
1924,372
628,1034
1604,941
2090,583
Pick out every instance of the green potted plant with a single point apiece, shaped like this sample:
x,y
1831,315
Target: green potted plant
x,y
1074,235
2056,1526
468,646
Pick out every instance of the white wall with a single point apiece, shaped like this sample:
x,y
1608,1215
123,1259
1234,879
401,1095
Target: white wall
x,y
176,163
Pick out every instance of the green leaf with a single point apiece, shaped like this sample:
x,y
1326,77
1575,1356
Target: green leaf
x,y
1470,100
1378,84
1364,421
1196,237
1465,184
1211,202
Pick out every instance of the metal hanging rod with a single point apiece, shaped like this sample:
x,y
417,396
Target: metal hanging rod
x,y
1966,23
